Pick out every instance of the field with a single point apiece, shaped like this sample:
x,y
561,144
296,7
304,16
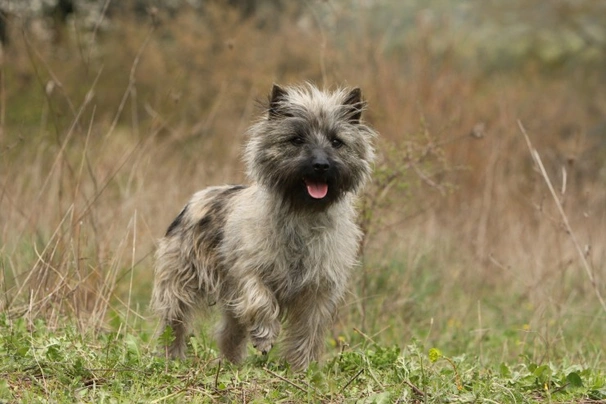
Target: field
x,y
482,272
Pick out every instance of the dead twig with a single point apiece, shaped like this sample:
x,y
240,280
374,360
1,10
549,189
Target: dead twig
x,y
415,388
537,159
295,385
351,381
131,79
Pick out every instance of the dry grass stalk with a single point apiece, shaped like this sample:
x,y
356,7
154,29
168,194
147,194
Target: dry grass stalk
x,y
582,258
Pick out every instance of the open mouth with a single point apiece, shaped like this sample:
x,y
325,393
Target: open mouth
x,y
317,189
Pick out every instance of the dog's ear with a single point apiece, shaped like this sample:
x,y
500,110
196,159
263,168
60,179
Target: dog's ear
x,y
278,94
356,105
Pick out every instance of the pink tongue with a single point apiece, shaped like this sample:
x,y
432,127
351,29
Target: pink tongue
x,y
317,190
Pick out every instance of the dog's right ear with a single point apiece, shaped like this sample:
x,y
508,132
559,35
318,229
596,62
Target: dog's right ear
x,y
278,94
356,104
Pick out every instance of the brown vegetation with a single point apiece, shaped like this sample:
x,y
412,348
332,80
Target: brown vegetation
x,y
103,140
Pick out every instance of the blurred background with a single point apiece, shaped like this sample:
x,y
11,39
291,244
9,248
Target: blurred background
x,y
112,113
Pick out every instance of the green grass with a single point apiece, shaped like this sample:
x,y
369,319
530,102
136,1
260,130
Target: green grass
x,y
67,365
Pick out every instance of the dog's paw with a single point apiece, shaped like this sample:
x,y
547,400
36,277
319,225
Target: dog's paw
x,y
263,345
264,336
174,351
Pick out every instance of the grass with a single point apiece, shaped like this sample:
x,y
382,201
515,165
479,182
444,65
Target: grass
x,y
66,365
470,287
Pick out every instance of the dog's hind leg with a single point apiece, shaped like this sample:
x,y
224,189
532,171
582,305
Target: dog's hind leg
x,y
176,296
180,328
176,314
231,337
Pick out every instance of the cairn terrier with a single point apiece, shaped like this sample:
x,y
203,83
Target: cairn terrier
x,y
281,249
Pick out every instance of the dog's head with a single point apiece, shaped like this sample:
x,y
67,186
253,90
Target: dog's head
x,y
311,147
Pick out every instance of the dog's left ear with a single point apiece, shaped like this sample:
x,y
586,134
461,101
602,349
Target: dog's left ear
x,y
355,104
278,94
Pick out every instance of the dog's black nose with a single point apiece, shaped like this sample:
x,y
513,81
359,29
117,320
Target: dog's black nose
x,y
320,162
321,166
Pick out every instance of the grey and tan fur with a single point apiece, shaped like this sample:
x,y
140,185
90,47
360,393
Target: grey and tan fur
x,y
280,250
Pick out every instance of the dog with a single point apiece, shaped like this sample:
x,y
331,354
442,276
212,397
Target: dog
x,y
280,250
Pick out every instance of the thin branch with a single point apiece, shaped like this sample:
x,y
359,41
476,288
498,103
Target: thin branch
x,y
583,259
351,381
96,29
217,374
286,380
415,388
131,79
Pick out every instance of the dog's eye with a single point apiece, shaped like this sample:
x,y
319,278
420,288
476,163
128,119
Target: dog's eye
x,y
297,140
336,143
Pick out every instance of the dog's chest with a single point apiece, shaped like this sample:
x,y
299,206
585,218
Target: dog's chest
x,y
305,259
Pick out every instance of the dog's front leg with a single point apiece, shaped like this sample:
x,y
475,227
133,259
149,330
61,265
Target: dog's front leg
x,y
309,317
256,307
